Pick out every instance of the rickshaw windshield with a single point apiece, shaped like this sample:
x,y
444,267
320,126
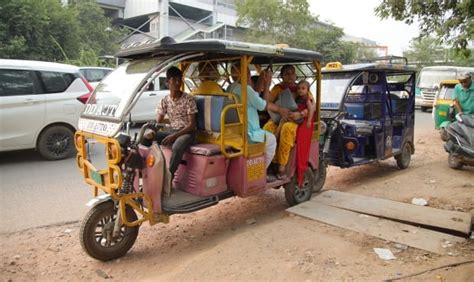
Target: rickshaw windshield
x,y
446,92
333,88
115,92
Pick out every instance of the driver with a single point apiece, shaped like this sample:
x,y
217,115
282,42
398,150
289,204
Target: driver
x,y
181,110
464,94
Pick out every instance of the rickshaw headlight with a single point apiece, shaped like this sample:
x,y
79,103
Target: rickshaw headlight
x,y
150,160
322,127
350,146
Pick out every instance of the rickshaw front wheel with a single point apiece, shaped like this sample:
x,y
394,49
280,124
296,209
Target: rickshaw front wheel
x,y
294,194
404,158
96,232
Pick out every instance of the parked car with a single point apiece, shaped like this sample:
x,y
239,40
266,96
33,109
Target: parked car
x,y
94,74
40,104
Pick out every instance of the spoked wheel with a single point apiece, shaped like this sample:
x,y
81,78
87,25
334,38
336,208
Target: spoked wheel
x,y
453,161
319,176
96,234
403,159
294,194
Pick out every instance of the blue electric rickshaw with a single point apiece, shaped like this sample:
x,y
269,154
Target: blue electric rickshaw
x,y
368,110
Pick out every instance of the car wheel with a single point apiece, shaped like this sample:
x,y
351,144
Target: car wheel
x,y
424,109
404,158
56,143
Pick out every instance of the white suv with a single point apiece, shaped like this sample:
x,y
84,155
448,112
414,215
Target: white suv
x,y
40,104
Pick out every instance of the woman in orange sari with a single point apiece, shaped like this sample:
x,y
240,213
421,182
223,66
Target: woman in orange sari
x,y
287,134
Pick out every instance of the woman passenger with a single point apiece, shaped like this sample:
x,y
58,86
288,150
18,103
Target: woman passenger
x,y
287,135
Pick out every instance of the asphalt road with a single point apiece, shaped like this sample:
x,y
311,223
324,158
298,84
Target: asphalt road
x,y
35,192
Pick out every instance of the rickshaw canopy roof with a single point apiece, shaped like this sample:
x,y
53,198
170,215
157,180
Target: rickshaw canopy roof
x,y
370,67
449,82
215,49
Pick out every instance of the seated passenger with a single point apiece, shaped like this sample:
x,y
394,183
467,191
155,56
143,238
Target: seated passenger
x,y
255,103
208,75
181,110
287,135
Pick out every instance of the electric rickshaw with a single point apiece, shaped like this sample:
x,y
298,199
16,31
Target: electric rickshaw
x,y
133,184
444,111
368,112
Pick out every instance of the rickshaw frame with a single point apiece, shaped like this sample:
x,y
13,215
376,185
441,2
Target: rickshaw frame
x,y
109,180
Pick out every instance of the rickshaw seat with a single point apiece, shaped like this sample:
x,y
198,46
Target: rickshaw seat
x,y
210,108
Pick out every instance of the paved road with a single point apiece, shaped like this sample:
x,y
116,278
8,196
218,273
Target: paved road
x,y
35,192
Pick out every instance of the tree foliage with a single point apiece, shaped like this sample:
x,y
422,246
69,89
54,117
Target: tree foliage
x,y
290,22
429,51
451,20
46,30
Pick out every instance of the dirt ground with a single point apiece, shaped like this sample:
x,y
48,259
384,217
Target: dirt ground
x,y
256,239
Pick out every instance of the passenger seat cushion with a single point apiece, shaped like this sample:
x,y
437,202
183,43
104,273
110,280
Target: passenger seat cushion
x,y
209,112
205,149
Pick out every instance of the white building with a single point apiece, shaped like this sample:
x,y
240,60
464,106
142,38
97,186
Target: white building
x,y
180,19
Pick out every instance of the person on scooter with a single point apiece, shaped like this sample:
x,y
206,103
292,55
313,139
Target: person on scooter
x,y
181,110
464,94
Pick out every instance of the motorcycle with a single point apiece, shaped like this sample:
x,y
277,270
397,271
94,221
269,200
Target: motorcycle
x,y
460,142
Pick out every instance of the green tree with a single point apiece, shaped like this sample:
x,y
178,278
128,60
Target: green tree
x,y
425,51
290,22
45,30
40,30
428,51
451,20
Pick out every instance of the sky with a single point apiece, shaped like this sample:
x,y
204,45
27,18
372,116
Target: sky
x,y
357,18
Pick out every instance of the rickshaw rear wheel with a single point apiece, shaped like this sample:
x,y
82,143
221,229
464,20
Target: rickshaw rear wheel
x,y
319,176
295,195
96,232
404,158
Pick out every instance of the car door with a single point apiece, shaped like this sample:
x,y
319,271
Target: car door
x,y
22,109
145,108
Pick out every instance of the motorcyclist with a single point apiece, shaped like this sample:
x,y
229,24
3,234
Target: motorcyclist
x,y
464,95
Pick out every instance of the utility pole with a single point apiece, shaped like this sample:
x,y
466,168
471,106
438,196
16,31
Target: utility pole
x,y
164,18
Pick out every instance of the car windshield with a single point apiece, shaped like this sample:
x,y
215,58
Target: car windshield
x,y
115,92
333,87
431,78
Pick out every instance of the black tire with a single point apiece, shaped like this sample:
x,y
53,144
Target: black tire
x,y
424,109
319,176
97,224
404,158
453,162
56,143
294,195
443,134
